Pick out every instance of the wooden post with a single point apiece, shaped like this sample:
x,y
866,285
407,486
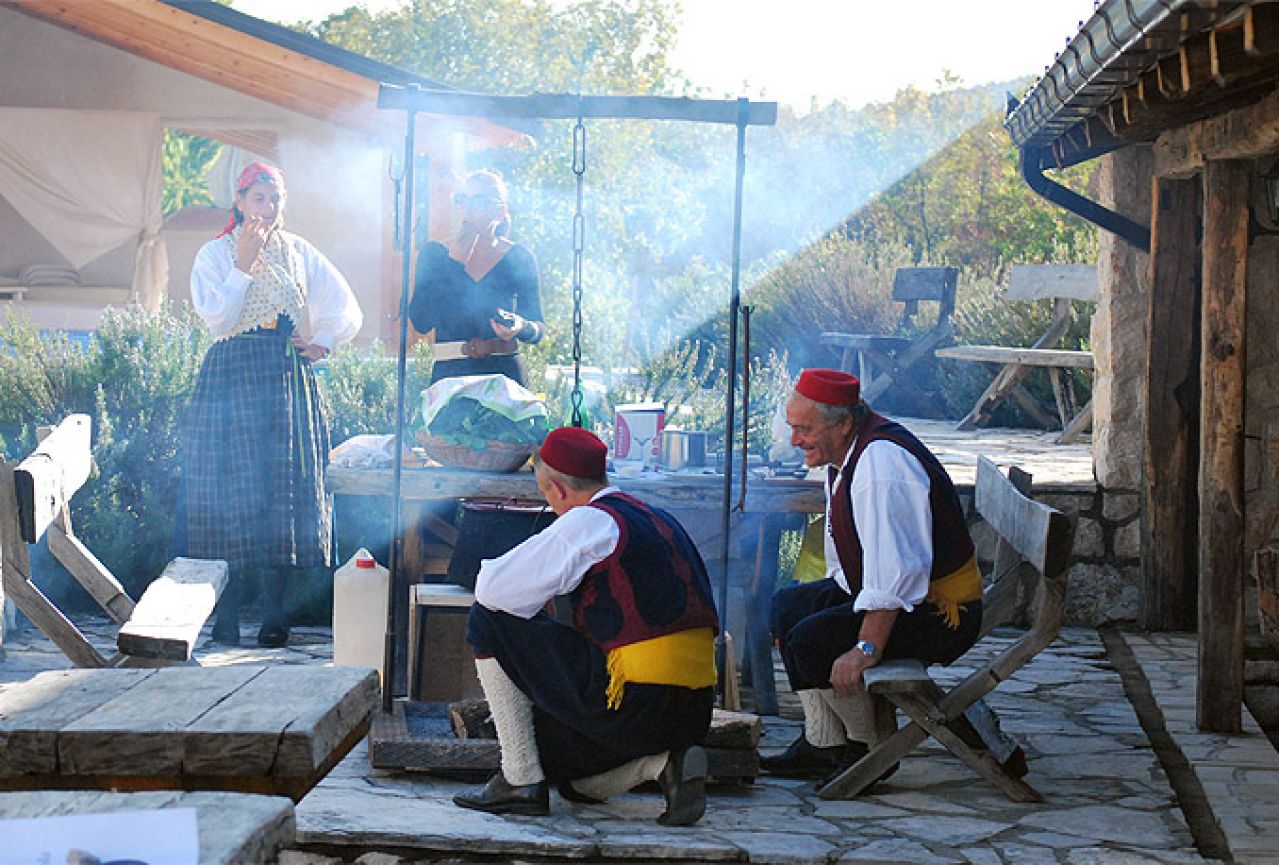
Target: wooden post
x,y
1222,375
1171,453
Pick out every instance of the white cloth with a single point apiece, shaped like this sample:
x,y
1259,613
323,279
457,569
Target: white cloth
x,y
89,181
218,292
551,563
895,524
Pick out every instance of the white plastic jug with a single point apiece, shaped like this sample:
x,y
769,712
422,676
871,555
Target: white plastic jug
x,y
359,612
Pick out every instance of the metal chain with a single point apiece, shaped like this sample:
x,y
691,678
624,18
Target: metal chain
x,y
579,245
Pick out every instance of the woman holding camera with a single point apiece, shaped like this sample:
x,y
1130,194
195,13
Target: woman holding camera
x,y
479,292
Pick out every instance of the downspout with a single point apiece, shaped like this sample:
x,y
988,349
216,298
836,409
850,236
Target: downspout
x,y
1032,171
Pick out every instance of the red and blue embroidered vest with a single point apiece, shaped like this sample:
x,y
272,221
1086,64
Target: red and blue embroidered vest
x,y
653,584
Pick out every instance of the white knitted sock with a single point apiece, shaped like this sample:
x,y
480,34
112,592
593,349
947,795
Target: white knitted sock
x,y
855,713
822,726
622,778
512,712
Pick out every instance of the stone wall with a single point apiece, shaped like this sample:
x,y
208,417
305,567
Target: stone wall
x,y
1105,570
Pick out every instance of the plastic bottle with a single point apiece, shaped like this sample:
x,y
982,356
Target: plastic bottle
x,y
359,612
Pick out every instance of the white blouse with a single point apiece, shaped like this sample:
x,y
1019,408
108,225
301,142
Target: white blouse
x,y
895,525
218,291
551,563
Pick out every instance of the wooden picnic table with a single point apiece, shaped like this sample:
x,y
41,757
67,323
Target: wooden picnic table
x,y
251,729
772,506
234,828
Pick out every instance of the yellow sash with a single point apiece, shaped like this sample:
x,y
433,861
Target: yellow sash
x,y
684,658
955,589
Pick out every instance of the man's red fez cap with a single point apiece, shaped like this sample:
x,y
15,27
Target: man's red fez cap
x,y
829,386
576,452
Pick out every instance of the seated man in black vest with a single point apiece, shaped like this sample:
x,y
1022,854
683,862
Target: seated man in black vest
x,y
624,694
901,578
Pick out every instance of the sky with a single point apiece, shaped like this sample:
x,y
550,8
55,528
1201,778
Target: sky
x,y
860,51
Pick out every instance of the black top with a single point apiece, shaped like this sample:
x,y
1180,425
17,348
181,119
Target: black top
x,y
447,298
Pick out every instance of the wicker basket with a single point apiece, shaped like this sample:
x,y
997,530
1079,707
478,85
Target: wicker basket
x,y
496,456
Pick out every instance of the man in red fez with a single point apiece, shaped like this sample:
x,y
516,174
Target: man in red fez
x,y
624,694
901,579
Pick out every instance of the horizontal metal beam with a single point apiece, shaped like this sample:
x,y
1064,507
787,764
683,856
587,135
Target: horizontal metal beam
x,y
565,106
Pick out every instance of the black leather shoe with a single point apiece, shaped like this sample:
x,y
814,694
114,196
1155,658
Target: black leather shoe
x,y
805,760
683,781
226,632
571,794
499,797
853,752
273,636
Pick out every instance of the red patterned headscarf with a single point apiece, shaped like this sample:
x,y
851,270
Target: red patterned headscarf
x,y
252,173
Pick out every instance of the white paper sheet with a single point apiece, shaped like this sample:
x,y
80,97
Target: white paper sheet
x,y
155,837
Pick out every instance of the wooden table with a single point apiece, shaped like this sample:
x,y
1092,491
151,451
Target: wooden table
x,y
251,729
234,828
772,505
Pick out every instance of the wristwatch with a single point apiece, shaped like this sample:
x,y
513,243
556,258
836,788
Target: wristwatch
x,y
867,648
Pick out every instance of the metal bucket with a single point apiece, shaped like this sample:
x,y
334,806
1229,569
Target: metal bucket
x,y
486,530
683,449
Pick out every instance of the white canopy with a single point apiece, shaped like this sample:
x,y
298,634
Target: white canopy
x,y
89,181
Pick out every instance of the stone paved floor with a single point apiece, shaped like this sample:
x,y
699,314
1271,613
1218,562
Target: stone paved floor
x,y
1108,799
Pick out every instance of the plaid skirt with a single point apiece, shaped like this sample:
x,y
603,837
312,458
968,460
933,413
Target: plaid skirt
x,y
255,444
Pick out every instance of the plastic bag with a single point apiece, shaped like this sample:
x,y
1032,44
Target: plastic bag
x,y
364,452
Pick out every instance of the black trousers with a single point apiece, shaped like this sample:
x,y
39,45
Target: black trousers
x,y
566,677
814,623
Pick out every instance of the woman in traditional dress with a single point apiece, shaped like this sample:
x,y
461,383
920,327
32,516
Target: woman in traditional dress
x,y
479,292
255,437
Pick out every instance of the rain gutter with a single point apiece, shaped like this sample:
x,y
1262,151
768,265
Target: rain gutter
x,y
1112,49
1032,171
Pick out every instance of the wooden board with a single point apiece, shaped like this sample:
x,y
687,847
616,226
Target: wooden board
x,y
234,828
1054,357
53,472
168,617
253,729
1039,281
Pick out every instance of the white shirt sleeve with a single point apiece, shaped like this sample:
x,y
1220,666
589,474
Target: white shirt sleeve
x,y
335,314
895,524
551,563
217,288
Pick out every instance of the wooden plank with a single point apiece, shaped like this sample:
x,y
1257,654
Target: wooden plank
x,y
142,732
285,723
234,828
1219,696
90,573
51,474
734,730
925,283
1041,281
1169,546
32,714
1049,357
565,106
1024,523
167,620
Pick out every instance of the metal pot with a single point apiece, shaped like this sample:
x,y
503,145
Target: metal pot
x,y
683,449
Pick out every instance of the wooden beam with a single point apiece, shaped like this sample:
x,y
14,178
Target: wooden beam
x,y
562,106
1169,546
1221,497
1244,133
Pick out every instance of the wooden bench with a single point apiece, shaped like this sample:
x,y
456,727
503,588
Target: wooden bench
x,y
1062,283
880,360
1028,533
164,624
